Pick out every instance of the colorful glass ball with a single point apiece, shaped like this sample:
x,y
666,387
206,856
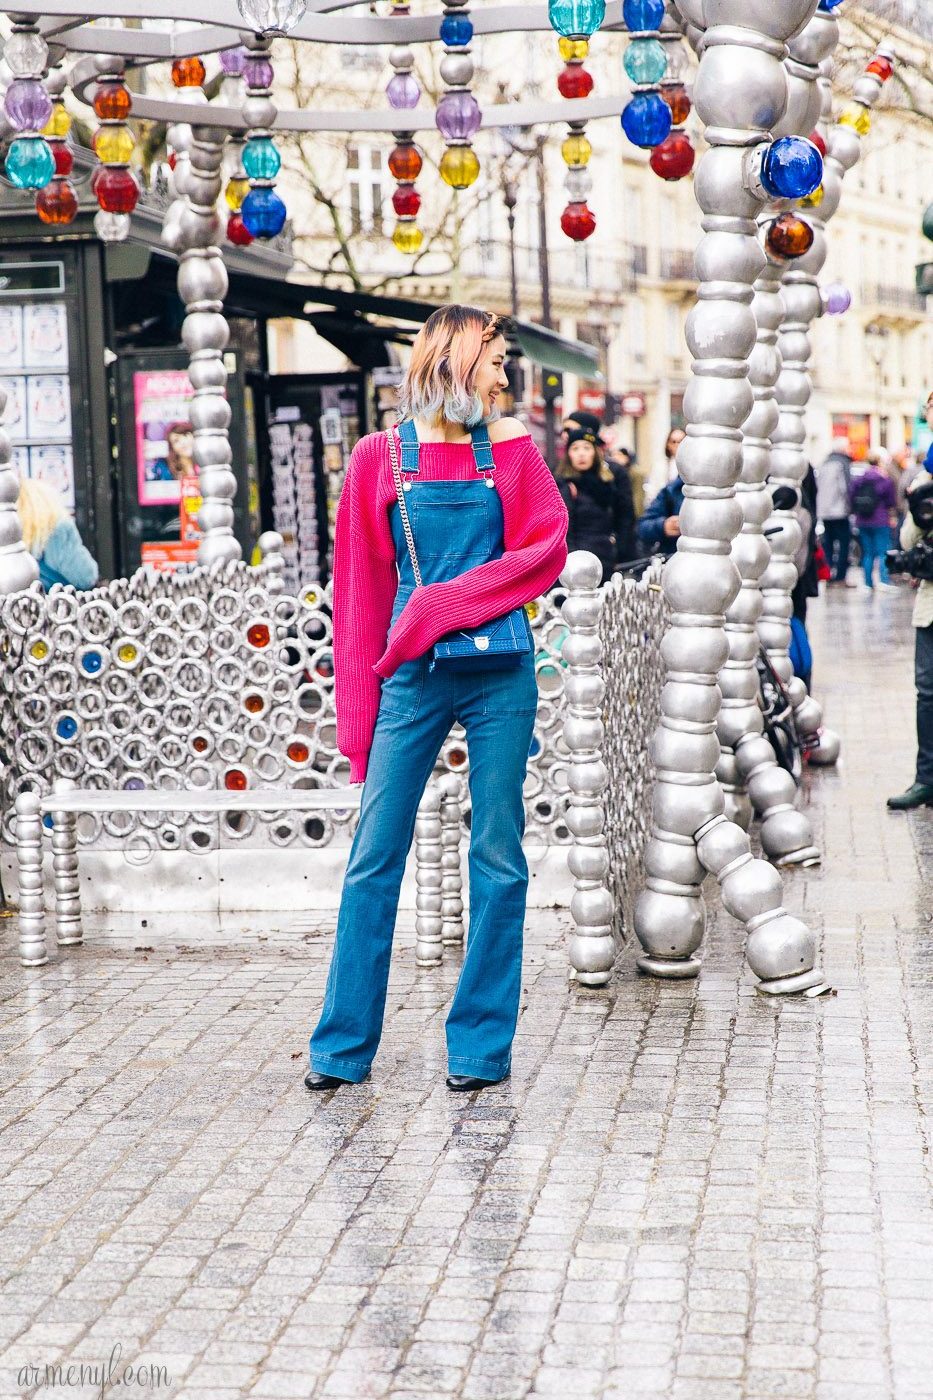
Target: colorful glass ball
x,y
59,123
237,232
677,98
263,213
261,159
818,142
836,298
235,193
27,104
258,73
642,16
405,162
827,6
459,167
30,164
578,222
576,149
456,31
112,102
403,91
674,157
570,49
232,61
574,81
406,201
114,144
408,238
63,157
791,167
645,61
857,116
788,237
646,119
57,203
117,190
881,67
458,116
188,72
576,19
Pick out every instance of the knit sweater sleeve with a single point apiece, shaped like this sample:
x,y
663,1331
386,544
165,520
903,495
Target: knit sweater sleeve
x,y
364,588
535,537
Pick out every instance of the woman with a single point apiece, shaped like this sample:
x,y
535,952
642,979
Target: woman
x,y
598,498
667,473
482,553
52,538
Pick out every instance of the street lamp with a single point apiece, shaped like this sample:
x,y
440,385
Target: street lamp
x,y
876,335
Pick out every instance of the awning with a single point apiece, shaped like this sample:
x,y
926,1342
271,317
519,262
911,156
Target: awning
x,y
343,317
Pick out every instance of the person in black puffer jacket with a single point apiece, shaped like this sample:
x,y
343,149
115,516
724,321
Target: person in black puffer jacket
x,y
598,498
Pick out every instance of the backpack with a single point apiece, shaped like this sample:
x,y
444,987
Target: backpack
x,y
865,499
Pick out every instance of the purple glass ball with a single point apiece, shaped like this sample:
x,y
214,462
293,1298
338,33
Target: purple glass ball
x,y
258,73
837,298
458,116
403,90
232,61
27,104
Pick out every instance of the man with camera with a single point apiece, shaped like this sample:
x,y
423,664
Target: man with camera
x,y
915,557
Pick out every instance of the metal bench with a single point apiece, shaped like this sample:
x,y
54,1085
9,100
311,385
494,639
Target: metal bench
x,y
439,904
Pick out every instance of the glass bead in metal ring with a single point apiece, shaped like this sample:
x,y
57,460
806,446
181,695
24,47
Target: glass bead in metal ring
x,y
128,652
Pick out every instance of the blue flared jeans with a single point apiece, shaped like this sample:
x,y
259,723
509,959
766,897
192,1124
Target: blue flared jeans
x,y
418,708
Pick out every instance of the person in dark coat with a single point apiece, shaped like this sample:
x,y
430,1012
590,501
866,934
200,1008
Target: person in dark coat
x,y
659,527
598,498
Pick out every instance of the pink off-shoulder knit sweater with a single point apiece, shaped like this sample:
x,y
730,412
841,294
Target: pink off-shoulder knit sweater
x,y
366,576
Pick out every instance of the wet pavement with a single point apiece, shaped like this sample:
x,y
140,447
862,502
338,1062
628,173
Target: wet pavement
x,y
683,1191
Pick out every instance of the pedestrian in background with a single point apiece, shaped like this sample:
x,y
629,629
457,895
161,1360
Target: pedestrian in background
x,y
874,506
659,527
833,480
920,792
52,538
598,497
667,472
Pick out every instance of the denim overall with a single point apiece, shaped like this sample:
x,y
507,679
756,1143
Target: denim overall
x,y
457,525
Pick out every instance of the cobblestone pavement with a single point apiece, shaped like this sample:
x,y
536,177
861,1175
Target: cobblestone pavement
x,y
683,1191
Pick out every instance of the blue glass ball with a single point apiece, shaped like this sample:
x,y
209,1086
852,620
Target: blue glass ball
x,y
791,167
30,164
576,19
67,727
261,159
642,15
263,213
646,120
645,61
456,31
91,662
827,6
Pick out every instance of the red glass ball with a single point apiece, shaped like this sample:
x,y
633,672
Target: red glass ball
x,y
406,201
64,157
881,67
237,232
578,222
188,72
675,95
674,158
235,780
57,203
574,81
112,102
116,189
405,163
818,142
172,160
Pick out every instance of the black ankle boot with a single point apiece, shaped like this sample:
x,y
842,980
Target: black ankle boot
x,y
314,1080
462,1082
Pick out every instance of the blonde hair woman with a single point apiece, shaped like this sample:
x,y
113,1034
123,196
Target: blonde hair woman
x,y
482,554
52,538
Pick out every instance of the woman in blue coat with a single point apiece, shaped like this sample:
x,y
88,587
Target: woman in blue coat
x,y
52,538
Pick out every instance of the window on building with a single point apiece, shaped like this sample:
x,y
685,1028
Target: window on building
x,y
367,185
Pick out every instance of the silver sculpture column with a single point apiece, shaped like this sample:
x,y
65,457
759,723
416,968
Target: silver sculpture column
x,y
18,569
802,305
193,229
740,93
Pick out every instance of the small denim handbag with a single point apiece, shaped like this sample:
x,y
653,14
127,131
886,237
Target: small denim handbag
x,y
493,646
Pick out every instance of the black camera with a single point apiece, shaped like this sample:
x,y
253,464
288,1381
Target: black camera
x,y
918,562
